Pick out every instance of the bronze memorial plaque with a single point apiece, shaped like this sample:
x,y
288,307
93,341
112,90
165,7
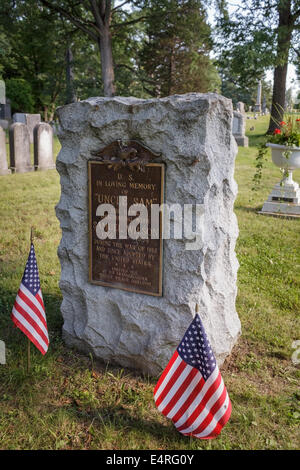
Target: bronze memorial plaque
x,y
122,261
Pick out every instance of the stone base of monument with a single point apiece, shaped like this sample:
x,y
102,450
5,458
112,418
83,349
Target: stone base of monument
x,y
191,136
4,171
283,199
43,168
23,169
4,123
241,140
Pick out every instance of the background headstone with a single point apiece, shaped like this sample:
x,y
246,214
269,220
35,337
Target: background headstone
x,y
19,148
43,146
193,133
238,129
5,114
240,107
257,107
31,120
2,92
3,156
19,117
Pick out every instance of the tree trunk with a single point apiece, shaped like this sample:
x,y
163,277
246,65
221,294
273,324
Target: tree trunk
x,y
45,113
171,71
107,67
70,92
285,27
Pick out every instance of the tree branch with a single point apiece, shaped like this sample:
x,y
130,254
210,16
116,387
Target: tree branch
x,y
120,6
126,23
70,17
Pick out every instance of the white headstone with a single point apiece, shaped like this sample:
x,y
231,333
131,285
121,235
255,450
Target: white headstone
x,y
31,120
3,157
19,147
43,146
193,134
2,92
2,352
238,129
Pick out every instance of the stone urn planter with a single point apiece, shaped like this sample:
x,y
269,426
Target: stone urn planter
x,y
285,196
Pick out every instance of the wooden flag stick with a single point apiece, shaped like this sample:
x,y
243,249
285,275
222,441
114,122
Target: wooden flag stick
x,y
28,354
28,340
197,308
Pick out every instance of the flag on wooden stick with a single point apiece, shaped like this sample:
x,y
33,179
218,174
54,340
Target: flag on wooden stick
x,y
191,391
28,312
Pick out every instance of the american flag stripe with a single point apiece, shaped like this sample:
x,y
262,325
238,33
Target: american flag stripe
x,y
35,317
28,312
187,398
29,330
172,365
203,410
22,314
221,423
36,302
175,381
166,410
198,396
191,390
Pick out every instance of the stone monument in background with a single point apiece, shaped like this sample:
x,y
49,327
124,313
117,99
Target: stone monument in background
x,y
3,156
19,148
238,129
129,302
257,106
5,112
31,120
43,146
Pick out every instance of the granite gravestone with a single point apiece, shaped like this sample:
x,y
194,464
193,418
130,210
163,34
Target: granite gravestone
x,y
240,107
192,134
31,120
19,148
43,146
238,129
3,157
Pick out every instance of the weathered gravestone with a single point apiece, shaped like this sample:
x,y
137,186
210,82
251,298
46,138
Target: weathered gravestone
x,y
43,146
2,92
19,148
127,301
238,129
240,107
3,157
31,120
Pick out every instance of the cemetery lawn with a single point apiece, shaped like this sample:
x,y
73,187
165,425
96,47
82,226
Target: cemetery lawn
x,y
69,401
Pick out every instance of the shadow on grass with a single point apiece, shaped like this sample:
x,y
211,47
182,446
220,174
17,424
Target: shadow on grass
x,y
12,335
249,210
120,418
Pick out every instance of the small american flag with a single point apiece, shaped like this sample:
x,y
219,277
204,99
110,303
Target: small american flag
x,y
191,391
28,312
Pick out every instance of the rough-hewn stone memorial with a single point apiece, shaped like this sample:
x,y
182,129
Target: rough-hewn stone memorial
x,y
19,148
113,305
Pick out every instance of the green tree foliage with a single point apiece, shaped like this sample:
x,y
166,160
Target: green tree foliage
x,y
20,94
247,94
259,35
175,54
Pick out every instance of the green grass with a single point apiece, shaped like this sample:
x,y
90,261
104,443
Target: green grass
x,y
69,401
